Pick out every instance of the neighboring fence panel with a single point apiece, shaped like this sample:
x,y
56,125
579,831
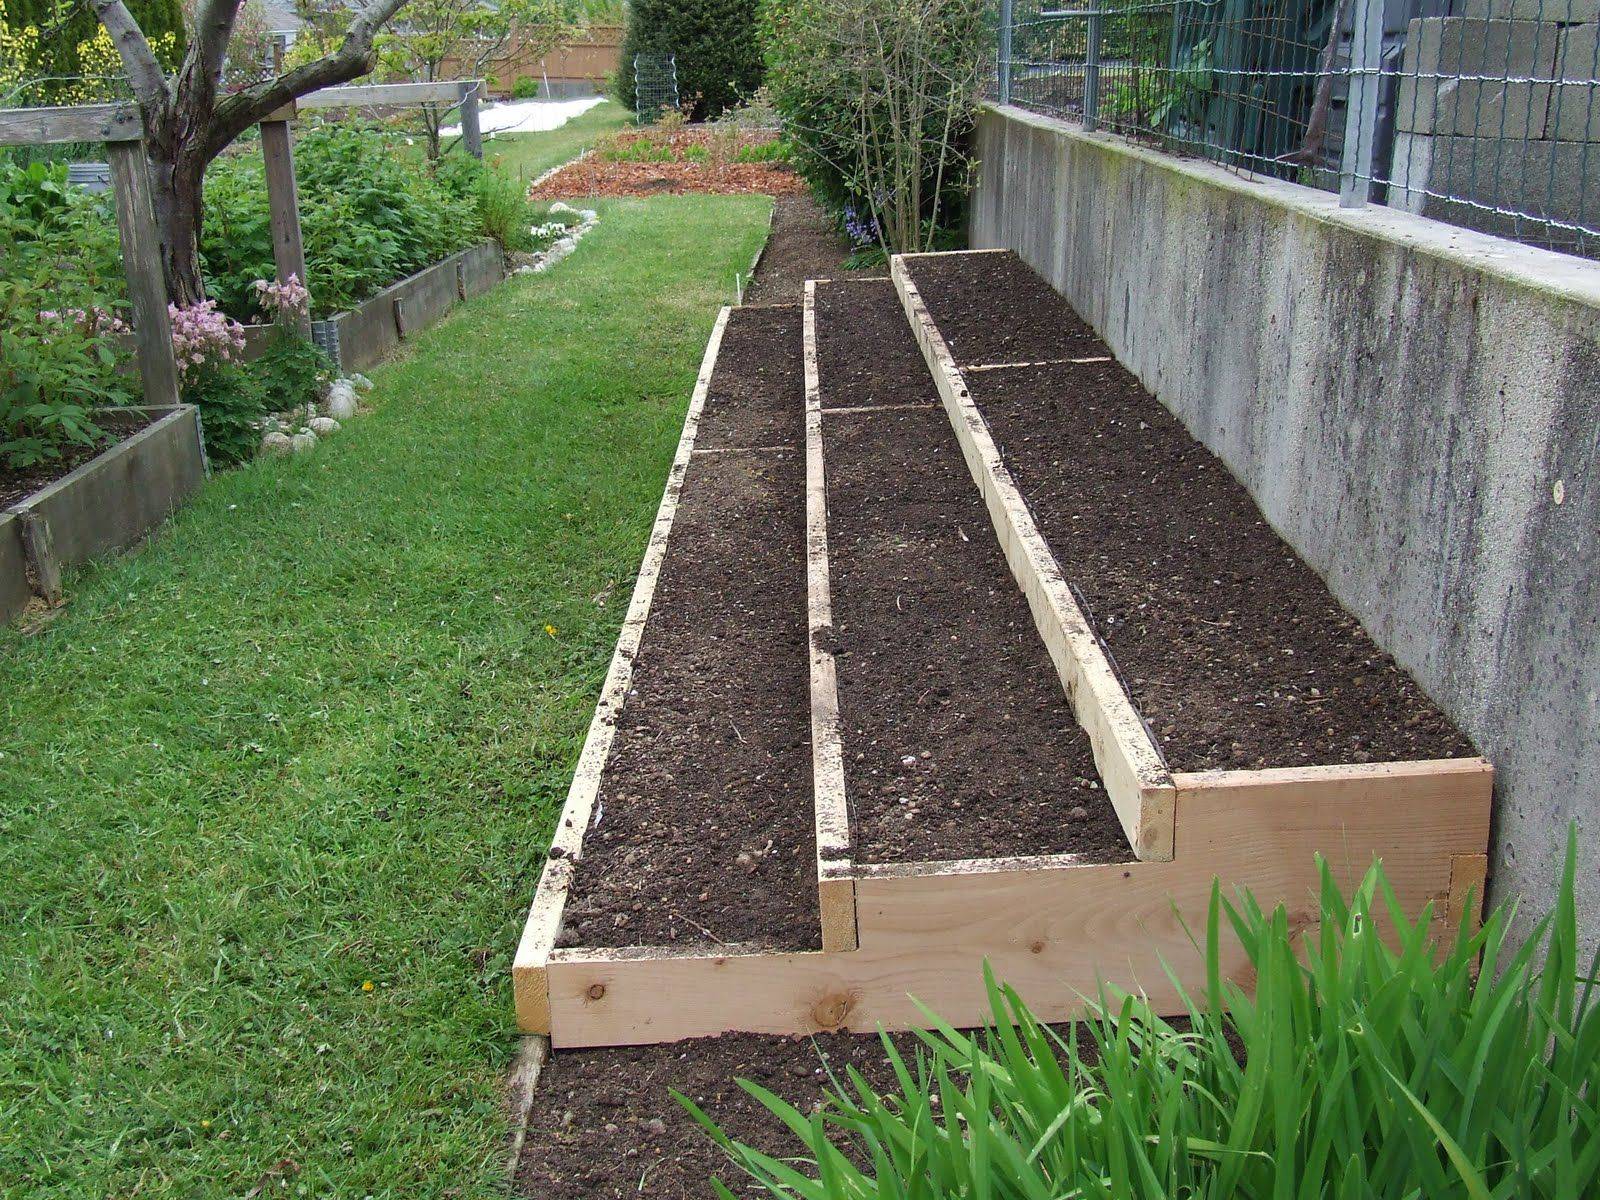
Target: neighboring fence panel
x,y
1488,118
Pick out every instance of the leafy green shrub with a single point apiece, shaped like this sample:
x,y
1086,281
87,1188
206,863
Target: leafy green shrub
x,y
231,404
291,371
776,151
368,216
717,51
879,99
525,88
58,360
1362,1069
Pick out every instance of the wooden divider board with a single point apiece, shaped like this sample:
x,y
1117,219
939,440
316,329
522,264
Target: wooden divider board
x,y
836,889
1053,928
1131,767
544,918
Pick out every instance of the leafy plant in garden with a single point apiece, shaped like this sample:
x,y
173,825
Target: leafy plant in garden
x,y
878,98
59,272
1364,1066
714,43
55,366
367,215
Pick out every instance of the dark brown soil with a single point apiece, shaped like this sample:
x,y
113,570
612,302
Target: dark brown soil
x,y
605,1126
958,740
804,245
703,831
1233,648
992,308
18,485
757,394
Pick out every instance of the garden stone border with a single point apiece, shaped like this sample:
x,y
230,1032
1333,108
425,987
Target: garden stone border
x,y
108,504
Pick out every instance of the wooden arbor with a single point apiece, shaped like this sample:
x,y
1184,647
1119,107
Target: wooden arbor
x,y
119,128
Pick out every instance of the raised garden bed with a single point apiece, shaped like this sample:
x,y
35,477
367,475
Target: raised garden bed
x,y
928,682
102,505
688,827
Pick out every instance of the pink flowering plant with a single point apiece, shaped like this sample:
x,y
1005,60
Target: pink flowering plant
x,y
202,336
284,300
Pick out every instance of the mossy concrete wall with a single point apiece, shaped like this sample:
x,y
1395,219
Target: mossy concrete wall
x,y
1416,408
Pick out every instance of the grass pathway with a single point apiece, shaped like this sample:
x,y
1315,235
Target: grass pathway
x,y
273,791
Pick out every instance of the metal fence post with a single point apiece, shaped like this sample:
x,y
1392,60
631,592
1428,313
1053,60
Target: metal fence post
x,y
1361,105
1004,63
1091,72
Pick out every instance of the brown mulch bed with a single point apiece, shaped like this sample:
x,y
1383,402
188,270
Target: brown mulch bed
x,y
594,178
702,161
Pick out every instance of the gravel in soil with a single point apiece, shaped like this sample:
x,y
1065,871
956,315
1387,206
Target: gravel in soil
x,y
703,830
804,245
992,308
757,393
958,740
1231,646
18,484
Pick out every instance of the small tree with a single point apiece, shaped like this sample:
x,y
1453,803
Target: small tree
x,y
714,43
880,97
188,119
452,39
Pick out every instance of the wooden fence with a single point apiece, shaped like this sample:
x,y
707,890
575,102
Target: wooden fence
x,y
582,65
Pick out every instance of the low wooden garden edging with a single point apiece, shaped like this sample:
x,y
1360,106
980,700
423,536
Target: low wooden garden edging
x,y
106,505
896,934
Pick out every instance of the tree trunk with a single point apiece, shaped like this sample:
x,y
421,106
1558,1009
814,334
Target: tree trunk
x,y
177,191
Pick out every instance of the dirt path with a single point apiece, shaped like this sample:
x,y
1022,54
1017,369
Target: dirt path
x,y
804,245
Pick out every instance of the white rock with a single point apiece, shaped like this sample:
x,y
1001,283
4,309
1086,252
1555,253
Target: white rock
x,y
361,383
276,443
323,426
303,441
562,206
341,402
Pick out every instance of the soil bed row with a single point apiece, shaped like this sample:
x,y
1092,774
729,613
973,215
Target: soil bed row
x,y
957,739
702,833
1232,647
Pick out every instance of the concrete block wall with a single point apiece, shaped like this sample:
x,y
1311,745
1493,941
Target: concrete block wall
x,y
1415,407
1522,139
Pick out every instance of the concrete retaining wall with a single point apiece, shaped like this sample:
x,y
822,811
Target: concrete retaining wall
x,y
108,503
1415,407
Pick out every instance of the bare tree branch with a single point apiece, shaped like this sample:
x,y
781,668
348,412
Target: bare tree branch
x,y
213,27
144,71
352,59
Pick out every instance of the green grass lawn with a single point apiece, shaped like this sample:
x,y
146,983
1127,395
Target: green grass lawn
x,y
274,790
532,154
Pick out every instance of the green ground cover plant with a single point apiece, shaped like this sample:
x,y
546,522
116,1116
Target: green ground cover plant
x,y
274,790
1357,1070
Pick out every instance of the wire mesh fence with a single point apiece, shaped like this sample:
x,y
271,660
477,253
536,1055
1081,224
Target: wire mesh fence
x,y
655,86
1486,117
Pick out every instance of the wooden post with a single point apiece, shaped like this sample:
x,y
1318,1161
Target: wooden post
x,y
141,259
283,204
471,133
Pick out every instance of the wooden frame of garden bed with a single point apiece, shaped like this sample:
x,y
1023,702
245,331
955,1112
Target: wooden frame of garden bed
x,y
900,935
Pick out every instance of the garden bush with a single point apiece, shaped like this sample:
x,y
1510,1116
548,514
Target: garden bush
x,y
715,43
879,99
1361,1068
60,273
368,215
525,88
